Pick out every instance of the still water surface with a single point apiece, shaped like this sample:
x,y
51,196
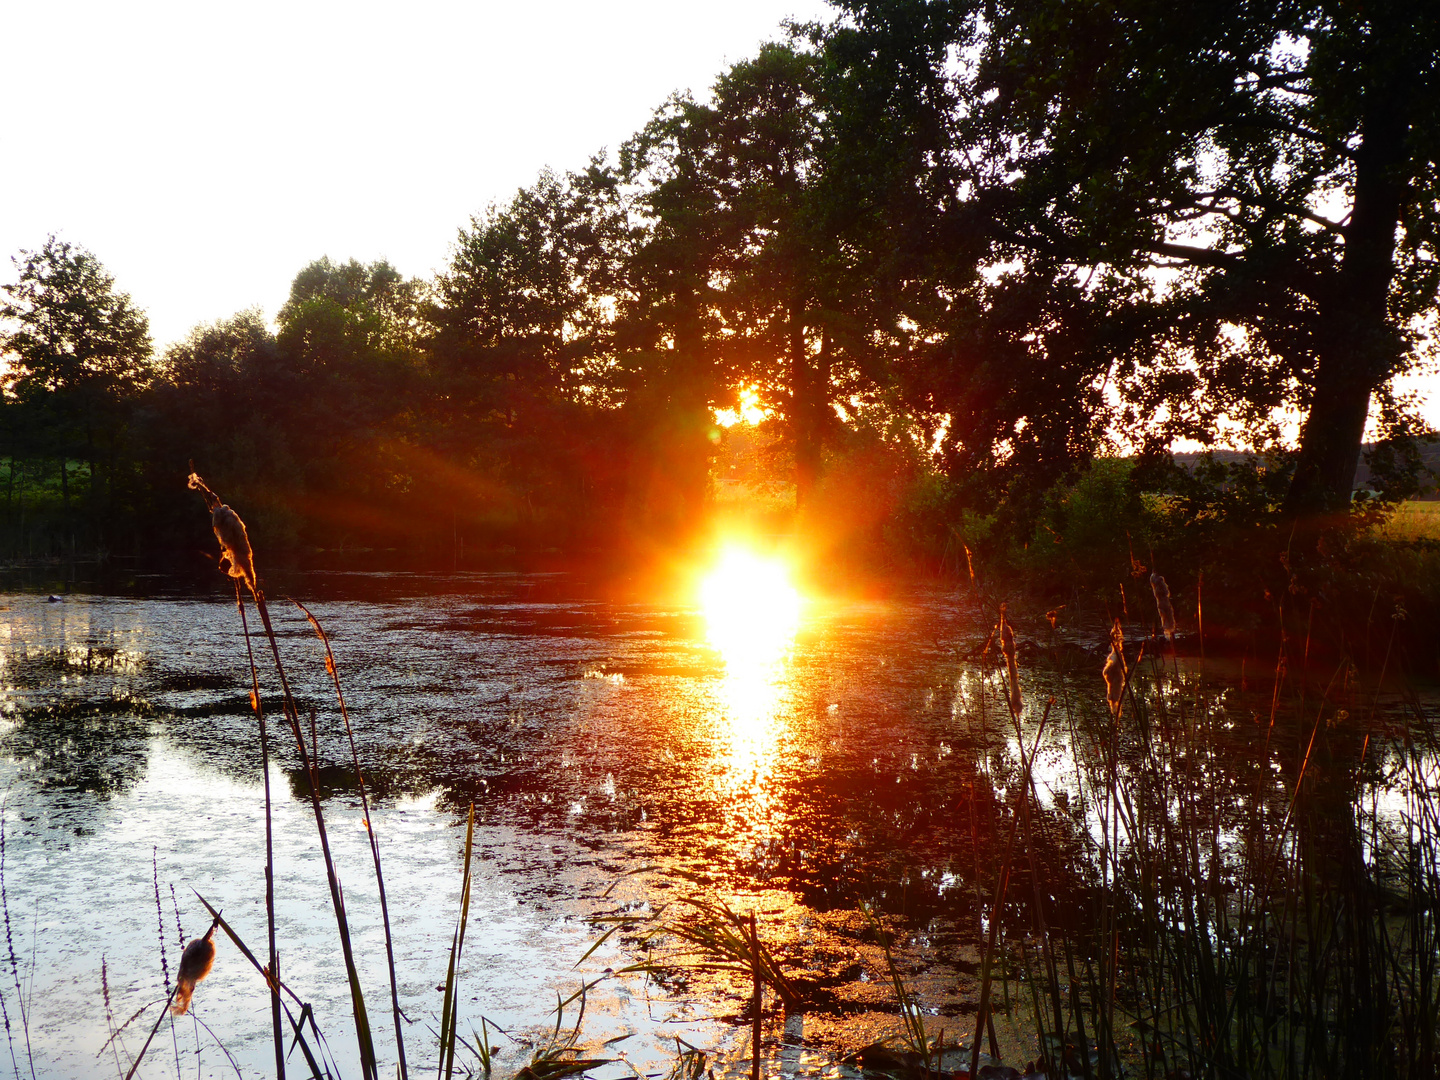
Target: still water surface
x,y
614,758
594,737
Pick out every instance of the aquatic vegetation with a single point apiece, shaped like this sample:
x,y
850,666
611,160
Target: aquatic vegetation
x,y
1114,670
1163,606
230,531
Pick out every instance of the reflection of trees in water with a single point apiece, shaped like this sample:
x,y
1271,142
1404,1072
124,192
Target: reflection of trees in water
x,y
1251,911
74,719
88,746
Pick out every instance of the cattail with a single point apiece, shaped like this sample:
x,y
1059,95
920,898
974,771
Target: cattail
x,y
195,963
1007,647
229,530
1115,669
1163,605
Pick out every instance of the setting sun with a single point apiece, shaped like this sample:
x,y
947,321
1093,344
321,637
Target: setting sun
x,y
751,607
748,409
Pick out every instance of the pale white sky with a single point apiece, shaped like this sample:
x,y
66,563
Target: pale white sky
x,y
207,152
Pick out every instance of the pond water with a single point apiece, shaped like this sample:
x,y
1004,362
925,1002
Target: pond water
x,y
615,760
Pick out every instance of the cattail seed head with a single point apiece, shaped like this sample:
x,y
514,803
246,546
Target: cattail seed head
x,y
234,543
195,964
1007,648
1114,679
229,530
1114,671
1163,605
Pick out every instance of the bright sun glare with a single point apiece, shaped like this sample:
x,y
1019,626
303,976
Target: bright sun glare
x,y
747,409
751,608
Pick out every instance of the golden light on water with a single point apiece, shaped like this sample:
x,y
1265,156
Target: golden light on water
x,y
752,611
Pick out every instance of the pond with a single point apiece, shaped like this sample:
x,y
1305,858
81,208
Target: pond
x,y
617,761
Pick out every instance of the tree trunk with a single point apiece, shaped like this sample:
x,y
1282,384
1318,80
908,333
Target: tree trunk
x,y
802,410
1357,347
66,531
20,526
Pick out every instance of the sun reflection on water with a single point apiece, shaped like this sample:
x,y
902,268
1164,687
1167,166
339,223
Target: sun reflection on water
x,y
752,611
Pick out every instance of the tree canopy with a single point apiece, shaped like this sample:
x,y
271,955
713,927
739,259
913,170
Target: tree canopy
x,y
1228,209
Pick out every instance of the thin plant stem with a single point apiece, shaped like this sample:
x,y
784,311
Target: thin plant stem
x,y
998,903
368,1064
758,999
274,956
159,1019
334,671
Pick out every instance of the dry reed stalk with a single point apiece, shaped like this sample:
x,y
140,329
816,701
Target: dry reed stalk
x,y
758,1001
369,830
306,1013
274,954
1114,671
982,1012
235,547
10,954
230,531
199,959
1007,649
450,1009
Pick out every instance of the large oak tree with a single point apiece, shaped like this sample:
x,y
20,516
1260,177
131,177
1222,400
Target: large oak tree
x,y
1237,200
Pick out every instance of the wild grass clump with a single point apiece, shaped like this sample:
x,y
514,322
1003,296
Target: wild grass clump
x,y
1242,922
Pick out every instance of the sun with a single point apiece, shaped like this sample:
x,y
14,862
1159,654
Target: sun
x,y
752,609
747,410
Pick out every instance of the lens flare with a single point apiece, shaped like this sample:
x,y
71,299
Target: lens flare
x,y
751,608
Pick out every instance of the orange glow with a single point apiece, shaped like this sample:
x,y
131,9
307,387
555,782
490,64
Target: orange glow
x,y
752,611
748,410
751,608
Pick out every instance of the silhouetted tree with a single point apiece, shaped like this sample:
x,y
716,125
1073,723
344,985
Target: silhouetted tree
x,y
1254,188
521,342
79,353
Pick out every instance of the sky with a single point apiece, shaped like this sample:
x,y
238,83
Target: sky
x,y
207,152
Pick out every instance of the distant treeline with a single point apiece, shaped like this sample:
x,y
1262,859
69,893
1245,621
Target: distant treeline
x,y
958,250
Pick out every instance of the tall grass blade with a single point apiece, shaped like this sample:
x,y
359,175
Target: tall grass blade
x,y
449,1015
165,1011
274,955
334,671
297,1026
368,1064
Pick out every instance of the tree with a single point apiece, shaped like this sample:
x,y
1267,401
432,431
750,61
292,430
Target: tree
x,y
78,351
742,267
1252,189
522,345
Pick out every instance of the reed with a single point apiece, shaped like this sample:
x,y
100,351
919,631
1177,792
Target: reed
x,y
297,1024
201,954
235,548
450,1014
1238,929
334,673
916,1039
1230,925
14,965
